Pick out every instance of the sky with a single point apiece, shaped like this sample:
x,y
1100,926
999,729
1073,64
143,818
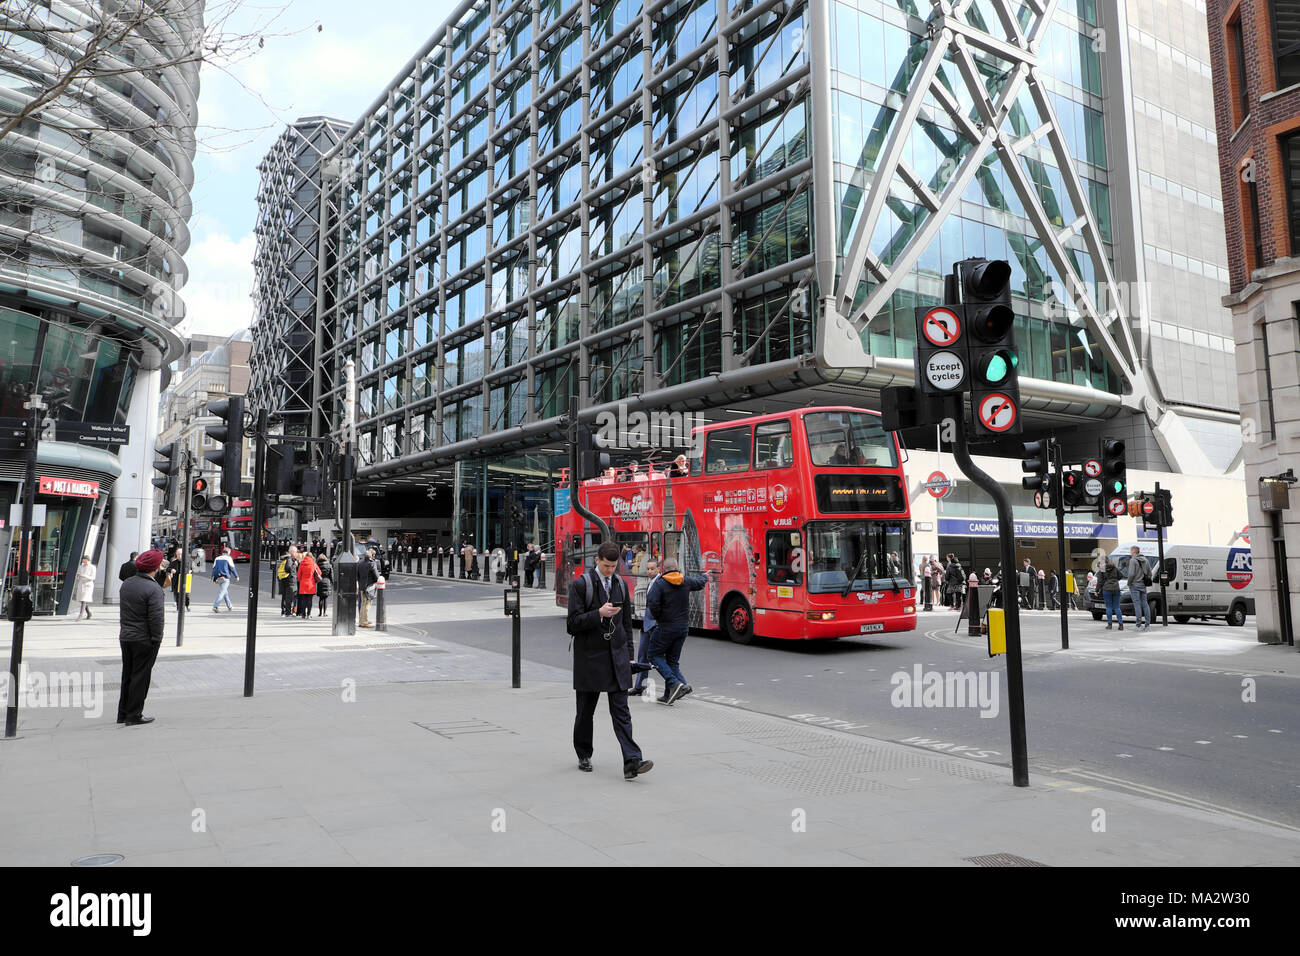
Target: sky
x,y
320,57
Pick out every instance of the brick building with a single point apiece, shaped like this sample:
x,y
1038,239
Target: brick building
x,y
1255,57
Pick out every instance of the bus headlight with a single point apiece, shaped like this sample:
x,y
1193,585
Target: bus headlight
x,y
909,608
821,615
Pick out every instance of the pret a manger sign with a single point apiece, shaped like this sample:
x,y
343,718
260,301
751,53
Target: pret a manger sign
x,y
68,487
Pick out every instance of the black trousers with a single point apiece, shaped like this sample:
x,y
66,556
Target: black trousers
x,y
619,714
528,577
137,670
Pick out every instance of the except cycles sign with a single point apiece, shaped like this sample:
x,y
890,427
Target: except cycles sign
x,y
945,370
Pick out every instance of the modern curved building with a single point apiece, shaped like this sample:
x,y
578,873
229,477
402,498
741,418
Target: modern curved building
x,y
96,167
668,205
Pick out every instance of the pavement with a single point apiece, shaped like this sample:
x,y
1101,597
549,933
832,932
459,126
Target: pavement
x,y
386,748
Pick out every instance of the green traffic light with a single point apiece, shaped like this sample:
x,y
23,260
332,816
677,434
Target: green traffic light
x,y
996,368
1117,486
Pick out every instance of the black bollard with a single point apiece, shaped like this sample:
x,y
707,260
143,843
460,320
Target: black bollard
x,y
381,623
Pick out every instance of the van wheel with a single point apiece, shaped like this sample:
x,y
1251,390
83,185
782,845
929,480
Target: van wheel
x,y
738,620
1096,615
1237,615
1182,618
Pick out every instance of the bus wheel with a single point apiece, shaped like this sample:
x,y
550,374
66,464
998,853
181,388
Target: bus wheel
x,y
1237,615
738,621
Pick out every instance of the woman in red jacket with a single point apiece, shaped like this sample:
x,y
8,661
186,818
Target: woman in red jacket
x,y
308,575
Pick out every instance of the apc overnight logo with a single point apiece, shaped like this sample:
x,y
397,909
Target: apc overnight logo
x,y
75,909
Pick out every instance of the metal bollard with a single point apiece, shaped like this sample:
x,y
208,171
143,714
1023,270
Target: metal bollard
x,y
381,624
974,621
345,595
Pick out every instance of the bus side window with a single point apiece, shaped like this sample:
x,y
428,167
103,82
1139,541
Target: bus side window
x,y
782,568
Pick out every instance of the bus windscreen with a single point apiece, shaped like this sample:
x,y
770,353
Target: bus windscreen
x,y
849,439
834,549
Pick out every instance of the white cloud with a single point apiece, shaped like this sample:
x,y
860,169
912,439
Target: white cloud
x,y
217,296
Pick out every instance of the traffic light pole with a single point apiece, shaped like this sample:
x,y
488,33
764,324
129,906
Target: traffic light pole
x,y
255,565
1164,578
185,550
1011,608
37,406
1058,496
574,498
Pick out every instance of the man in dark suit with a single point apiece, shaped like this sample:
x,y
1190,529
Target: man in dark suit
x,y
140,635
600,620
127,571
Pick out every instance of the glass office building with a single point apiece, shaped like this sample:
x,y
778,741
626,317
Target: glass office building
x,y
713,205
94,202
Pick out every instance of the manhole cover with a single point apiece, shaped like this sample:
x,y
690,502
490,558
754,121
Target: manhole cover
x,y
1002,859
99,859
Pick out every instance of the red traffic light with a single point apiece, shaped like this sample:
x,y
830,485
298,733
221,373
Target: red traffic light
x,y
200,485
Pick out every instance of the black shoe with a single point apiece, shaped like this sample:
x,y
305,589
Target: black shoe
x,y
676,691
1121,625
686,689
138,721
632,770
584,764
639,668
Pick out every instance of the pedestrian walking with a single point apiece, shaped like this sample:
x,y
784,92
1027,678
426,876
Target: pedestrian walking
x,y
223,570
178,586
954,583
1109,583
324,584
1025,584
498,565
531,562
1054,592
83,588
1139,579
367,585
669,601
308,575
127,570
647,624
140,635
600,622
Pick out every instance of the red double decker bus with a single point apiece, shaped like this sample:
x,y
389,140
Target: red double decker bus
x,y
799,520
234,528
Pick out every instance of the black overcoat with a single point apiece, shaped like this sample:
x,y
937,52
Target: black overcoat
x,y
600,665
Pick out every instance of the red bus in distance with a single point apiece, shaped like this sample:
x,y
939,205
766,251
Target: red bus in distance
x,y
799,520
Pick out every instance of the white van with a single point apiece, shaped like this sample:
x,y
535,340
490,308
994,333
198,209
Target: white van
x,y
1204,582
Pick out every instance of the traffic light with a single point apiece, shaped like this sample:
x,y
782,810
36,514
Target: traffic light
x,y
904,406
168,462
1036,463
591,461
230,436
1114,479
280,462
1072,489
990,346
1165,505
199,494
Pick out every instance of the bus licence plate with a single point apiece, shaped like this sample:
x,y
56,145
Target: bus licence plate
x,y
868,628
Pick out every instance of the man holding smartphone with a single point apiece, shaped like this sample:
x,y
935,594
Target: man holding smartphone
x,y
600,621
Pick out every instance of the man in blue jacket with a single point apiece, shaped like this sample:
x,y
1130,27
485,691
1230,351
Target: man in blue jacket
x,y
669,603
